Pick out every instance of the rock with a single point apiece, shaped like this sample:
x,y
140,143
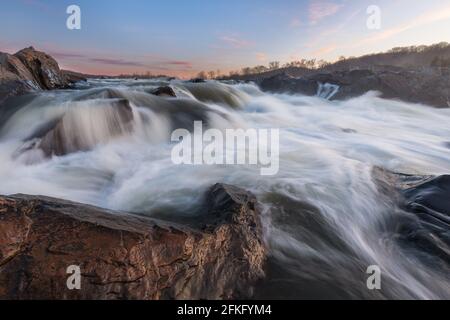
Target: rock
x,y
13,65
164,91
15,79
197,80
73,77
426,199
126,256
11,85
44,68
26,71
283,83
430,87
72,133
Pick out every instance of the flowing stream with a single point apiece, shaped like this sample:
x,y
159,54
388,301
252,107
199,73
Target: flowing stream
x,y
107,143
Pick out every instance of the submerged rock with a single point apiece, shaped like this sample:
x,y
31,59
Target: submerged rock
x,y
164,91
215,92
126,256
197,80
82,128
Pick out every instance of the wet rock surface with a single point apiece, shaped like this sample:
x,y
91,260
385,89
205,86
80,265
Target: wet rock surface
x,y
126,256
164,91
426,200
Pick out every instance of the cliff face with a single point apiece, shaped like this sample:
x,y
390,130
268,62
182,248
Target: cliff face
x,y
125,256
29,70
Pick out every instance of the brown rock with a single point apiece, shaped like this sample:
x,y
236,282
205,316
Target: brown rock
x,y
28,70
44,68
125,256
13,65
73,77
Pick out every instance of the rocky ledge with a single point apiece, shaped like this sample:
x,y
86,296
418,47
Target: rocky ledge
x,y
29,70
127,256
427,86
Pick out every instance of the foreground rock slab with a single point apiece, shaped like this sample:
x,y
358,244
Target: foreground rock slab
x,y
125,256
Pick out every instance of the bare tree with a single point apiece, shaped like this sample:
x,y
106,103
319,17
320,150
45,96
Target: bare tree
x,y
211,74
202,75
274,65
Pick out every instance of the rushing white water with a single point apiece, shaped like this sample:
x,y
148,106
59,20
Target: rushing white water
x,y
325,220
327,90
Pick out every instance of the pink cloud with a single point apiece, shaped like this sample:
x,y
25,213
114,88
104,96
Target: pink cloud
x,y
319,9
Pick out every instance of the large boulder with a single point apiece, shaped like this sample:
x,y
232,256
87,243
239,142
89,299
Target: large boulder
x,y
127,256
12,64
15,78
28,70
43,67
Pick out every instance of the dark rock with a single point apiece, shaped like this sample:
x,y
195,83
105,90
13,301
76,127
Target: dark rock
x,y
431,87
164,91
426,199
284,83
197,80
73,77
13,87
126,256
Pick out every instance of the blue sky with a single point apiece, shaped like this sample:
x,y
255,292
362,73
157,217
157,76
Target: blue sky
x,y
182,37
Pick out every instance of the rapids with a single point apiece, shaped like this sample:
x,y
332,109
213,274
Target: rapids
x,y
106,143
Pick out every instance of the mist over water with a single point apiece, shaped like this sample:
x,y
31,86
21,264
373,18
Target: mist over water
x,y
108,144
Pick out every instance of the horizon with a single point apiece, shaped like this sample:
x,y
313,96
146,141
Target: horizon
x,y
181,39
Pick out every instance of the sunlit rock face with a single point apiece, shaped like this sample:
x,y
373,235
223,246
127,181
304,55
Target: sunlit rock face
x,y
125,256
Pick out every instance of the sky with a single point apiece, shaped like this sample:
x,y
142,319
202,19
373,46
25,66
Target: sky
x,y
183,37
